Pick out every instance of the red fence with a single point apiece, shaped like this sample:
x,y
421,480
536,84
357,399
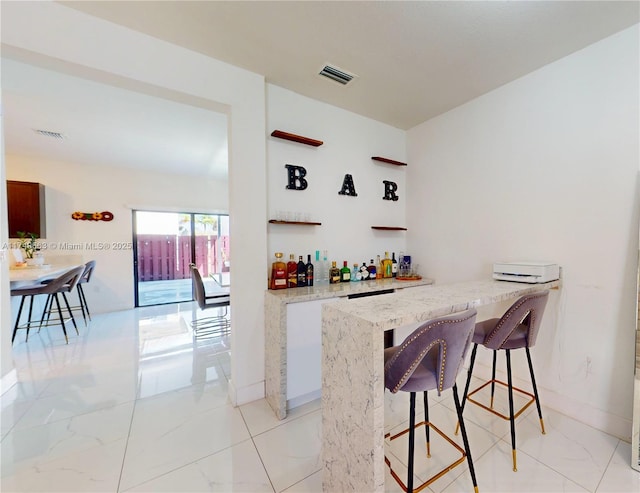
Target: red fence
x,y
166,257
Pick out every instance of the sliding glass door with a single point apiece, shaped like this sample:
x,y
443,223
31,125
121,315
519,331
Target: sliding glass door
x,y
165,243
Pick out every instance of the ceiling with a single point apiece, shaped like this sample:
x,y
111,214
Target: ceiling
x,y
412,61
103,125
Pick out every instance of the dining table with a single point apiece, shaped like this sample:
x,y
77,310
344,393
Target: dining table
x,y
25,275
222,279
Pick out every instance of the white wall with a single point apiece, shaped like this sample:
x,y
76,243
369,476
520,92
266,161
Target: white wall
x,y
350,141
95,189
52,34
545,168
7,373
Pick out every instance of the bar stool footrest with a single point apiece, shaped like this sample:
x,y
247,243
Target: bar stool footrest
x,y
436,476
506,417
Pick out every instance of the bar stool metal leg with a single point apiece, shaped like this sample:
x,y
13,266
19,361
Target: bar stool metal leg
x,y
15,327
427,425
493,378
64,329
466,386
465,440
512,420
29,319
412,433
535,391
83,302
66,302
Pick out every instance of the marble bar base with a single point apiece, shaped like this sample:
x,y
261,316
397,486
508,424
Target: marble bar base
x,y
353,371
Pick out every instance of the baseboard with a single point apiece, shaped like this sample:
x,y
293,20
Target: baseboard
x,y
247,394
606,422
303,399
601,420
9,380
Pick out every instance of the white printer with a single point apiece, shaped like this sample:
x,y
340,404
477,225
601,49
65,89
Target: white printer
x,y
529,272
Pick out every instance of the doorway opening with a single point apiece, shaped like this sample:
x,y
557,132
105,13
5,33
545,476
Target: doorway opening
x,y
165,243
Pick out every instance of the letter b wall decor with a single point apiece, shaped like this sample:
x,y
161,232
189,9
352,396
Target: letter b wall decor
x,y
296,177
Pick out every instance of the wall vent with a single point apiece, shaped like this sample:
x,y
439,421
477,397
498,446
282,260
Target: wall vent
x,y
336,74
48,133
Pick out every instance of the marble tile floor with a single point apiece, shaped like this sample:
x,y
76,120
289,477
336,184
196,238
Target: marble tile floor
x,y
134,404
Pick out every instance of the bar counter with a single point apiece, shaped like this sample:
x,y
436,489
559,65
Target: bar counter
x,y
353,370
277,325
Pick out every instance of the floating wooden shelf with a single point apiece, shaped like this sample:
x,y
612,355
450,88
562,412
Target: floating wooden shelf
x,y
296,138
303,223
388,161
389,228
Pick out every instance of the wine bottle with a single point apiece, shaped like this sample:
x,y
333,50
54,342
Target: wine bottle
x,y
334,274
394,265
386,266
372,271
345,272
302,273
278,273
310,270
292,272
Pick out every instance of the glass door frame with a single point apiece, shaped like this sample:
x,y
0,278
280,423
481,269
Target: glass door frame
x,y
192,245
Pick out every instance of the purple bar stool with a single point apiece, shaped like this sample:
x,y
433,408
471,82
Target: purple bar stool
x,y
430,358
516,329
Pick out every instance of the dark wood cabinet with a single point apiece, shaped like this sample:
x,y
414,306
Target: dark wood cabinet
x,y
26,208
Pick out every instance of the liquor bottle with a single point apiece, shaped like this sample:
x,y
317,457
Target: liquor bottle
x,y
334,274
372,271
318,269
386,266
310,269
394,265
325,268
405,265
302,273
292,272
345,272
278,273
355,273
379,268
364,272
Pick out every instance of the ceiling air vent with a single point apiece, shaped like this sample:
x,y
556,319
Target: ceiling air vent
x,y
48,133
336,74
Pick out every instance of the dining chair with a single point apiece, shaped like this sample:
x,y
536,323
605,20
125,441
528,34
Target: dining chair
x,y
214,324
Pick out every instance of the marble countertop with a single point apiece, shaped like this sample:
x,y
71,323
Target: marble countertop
x,y
416,305
342,289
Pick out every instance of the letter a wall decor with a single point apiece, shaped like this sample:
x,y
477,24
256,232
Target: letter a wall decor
x,y
348,188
